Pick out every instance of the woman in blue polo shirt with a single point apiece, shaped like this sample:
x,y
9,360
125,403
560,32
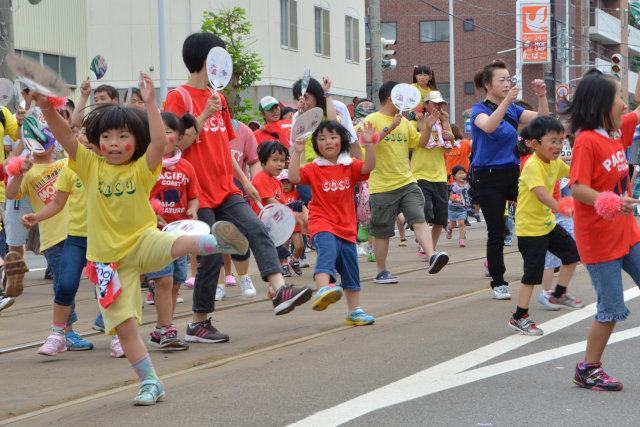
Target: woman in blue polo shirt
x,y
494,131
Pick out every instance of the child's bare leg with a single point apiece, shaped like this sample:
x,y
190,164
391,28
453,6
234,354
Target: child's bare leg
x,y
130,340
242,267
227,264
435,235
322,280
597,338
566,273
203,245
353,299
423,236
193,260
298,244
462,227
164,300
174,298
547,279
400,225
524,295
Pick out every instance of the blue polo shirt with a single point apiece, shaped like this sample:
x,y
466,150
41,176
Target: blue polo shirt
x,y
494,150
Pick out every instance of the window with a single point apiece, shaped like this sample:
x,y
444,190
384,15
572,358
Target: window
x,y
387,29
65,66
434,31
467,25
323,42
352,38
445,90
469,88
289,24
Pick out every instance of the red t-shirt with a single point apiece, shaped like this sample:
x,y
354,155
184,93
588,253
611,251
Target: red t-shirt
x,y
268,187
244,147
291,197
210,154
276,131
458,156
600,163
176,185
332,206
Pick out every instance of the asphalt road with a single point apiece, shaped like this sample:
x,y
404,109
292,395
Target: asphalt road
x,y
439,354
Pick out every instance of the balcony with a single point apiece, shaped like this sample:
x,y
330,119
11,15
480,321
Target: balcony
x,y
634,41
604,27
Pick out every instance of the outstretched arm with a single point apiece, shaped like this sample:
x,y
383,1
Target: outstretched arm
x,y
156,126
294,162
51,209
78,111
59,126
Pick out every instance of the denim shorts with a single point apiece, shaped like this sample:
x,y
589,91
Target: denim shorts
x,y
457,213
338,254
177,269
606,278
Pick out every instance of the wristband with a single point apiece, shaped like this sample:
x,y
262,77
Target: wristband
x,y
327,94
376,139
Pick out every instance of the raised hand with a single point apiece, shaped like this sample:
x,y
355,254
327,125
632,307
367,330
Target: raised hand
x,y
212,106
368,132
326,84
431,119
539,87
27,163
147,91
513,94
85,88
395,122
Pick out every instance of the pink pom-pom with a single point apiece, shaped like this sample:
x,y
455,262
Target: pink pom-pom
x,y
57,102
13,168
608,205
455,198
157,207
565,206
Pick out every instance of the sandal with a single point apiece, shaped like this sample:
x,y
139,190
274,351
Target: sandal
x,y
14,268
403,242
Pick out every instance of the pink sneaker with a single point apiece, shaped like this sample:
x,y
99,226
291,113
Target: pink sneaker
x,y
421,252
54,344
116,348
449,233
189,282
229,280
462,243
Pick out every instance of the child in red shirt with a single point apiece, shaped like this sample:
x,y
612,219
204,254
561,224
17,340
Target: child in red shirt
x,y
332,220
273,156
291,198
177,189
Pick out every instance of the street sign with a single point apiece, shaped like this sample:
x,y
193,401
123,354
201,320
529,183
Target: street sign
x,y
467,126
562,91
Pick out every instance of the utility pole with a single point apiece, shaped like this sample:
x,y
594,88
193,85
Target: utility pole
x,y
163,52
6,37
376,50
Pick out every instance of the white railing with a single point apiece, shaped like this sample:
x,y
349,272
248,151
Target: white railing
x,y
606,27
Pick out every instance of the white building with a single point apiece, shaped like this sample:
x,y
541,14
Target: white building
x,y
289,35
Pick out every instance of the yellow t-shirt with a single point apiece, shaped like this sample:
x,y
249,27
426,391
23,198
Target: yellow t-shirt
x,y
392,169
38,185
118,208
10,129
429,163
69,182
532,217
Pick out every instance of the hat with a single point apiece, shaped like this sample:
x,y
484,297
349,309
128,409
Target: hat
x,y
364,108
435,97
283,175
267,103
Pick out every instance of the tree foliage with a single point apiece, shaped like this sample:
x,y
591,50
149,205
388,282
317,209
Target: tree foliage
x,y
234,29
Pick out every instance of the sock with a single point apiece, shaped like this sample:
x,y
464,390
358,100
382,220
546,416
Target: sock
x,y
207,244
559,291
58,328
144,369
584,366
520,312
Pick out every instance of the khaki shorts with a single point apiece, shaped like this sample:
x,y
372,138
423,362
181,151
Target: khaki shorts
x,y
387,205
152,252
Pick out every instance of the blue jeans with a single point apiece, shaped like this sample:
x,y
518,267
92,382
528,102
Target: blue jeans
x,y
177,269
606,278
334,254
59,262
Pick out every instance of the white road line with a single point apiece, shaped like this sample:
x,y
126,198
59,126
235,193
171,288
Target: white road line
x,y
452,373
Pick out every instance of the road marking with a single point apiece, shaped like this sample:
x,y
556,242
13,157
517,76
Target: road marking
x,y
454,372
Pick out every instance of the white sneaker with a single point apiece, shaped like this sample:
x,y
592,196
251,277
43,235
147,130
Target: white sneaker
x,y
304,263
246,285
361,251
221,292
501,292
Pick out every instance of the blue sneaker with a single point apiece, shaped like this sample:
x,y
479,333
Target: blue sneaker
x,y
508,241
543,299
359,318
385,277
151,391
76,343
325,296
437,261
98,324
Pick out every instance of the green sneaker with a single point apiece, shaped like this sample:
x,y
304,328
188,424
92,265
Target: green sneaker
x,y
371,257
151,391
325,296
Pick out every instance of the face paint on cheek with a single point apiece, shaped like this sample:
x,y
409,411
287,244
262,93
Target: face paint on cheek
x,y
127,147
337,145
550,148
170,138
103,147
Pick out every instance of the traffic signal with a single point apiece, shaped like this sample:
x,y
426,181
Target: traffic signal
x,y
386,52
617,63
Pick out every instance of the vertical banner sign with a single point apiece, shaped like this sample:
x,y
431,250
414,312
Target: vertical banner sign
x,y
534,31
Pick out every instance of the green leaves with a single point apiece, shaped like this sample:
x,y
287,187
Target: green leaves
x,y
232,27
